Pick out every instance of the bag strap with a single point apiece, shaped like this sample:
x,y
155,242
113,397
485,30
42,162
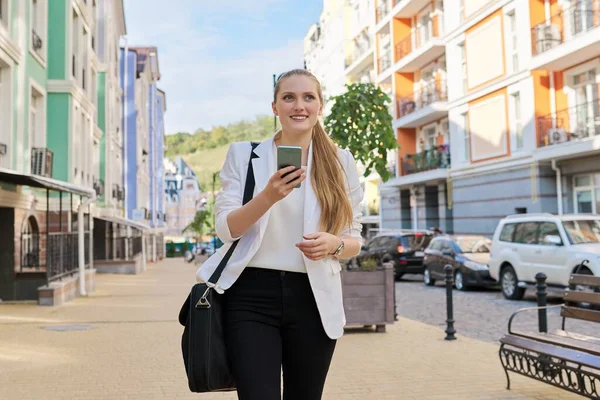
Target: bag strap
x,y
248,193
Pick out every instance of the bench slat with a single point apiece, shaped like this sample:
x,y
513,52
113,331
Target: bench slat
x,y
578,357
583,297
566,339
584,280
580,313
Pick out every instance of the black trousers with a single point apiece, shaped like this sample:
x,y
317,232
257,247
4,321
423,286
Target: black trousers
x,y
272,323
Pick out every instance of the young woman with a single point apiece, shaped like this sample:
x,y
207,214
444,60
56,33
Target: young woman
x,y
282,284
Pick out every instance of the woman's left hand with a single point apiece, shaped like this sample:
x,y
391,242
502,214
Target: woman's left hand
x,y
319,245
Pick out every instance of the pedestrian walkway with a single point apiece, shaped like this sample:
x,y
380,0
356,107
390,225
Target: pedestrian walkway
x,y
129,348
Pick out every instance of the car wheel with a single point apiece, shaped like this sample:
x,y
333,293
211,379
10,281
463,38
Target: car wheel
x,y
459,282
510,284
427,279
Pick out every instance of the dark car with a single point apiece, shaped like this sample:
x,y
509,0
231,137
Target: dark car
x,y
405,249
469,257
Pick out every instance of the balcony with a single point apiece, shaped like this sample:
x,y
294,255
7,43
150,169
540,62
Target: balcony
x,y
573,132
428,104
382,11
432,159
569,38
408,8
384,62
360,58
421,47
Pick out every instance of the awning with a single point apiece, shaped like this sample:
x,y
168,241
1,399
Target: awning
x,y
124,221
44,183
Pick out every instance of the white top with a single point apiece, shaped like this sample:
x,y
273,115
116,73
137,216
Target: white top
x,y
284,230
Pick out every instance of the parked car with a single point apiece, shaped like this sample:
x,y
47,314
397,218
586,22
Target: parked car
x,y
405,249
526,244
468,255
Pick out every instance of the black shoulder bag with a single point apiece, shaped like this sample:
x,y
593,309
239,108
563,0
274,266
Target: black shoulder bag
x,y
202,315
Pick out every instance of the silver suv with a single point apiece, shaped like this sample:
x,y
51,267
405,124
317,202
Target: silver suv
x,y
556,245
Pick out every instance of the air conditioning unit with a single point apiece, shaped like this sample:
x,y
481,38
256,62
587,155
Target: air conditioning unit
x,y
41,161
121,193
548,36
99,187
165,217
115,191
146,213
3,149
557,135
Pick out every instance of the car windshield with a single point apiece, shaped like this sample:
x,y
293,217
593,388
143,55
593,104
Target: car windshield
x,y
474,244
583,231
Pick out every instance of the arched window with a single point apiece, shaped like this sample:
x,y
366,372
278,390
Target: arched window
x,y
30,244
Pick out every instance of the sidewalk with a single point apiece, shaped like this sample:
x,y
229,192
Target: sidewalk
x,y
132,351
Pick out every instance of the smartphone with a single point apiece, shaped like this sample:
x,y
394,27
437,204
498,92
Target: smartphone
x,y
289,155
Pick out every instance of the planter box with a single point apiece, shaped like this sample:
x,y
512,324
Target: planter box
x,y
369,297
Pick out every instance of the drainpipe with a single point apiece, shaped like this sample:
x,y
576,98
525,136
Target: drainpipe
x,y
125,126
551,73
81,242
558,187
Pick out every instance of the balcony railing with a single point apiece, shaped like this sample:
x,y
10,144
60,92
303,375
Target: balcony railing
x,y
358,52
575,123
566,24
427,160
384,62
419,37
382,10
424,96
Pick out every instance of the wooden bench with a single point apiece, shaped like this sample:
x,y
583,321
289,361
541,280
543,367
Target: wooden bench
x,y
564,359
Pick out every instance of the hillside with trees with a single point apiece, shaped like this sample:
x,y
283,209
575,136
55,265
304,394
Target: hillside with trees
x,y
205,150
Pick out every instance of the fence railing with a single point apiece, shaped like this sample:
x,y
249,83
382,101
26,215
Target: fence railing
x,y
425,95
580,17
384,62
575,123
430,159
419,37
62,253
382,10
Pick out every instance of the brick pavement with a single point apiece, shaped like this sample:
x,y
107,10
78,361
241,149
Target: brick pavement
x,y
132,351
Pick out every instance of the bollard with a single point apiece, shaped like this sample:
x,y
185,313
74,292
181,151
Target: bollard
x,y
540,278
450,318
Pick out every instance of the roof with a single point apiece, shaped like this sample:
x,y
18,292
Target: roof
x,y
44,183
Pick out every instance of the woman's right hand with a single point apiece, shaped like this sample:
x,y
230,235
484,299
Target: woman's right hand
x,y
279,187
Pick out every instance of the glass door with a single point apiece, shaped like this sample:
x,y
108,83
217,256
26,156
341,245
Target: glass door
x,y
586,104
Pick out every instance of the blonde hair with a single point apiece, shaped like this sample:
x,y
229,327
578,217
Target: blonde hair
x,y
327,172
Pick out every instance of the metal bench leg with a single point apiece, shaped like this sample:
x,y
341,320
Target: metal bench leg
x,y
504,367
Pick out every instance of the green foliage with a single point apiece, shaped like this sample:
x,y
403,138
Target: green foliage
x,y
369,264
202,223
184,143
360,122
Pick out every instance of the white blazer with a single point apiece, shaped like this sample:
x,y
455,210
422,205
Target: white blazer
x,y
324,275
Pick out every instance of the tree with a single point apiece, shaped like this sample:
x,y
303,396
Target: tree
x,y
202,223
360,122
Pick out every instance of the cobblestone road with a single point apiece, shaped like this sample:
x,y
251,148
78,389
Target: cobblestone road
x,y
480,313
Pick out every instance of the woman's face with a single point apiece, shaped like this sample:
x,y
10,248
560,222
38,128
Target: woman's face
x,y
298,104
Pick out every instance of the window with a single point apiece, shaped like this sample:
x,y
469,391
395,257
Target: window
x,y
430,136
463,67
512,42
38,17
76,143
37,131
75,46
548,228
4,13
84,60
507,233
517,128
587,194
585,98
583,231
466,141
30,244
527,233
6,106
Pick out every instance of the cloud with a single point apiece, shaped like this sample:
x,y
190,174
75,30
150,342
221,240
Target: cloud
x,y
210,79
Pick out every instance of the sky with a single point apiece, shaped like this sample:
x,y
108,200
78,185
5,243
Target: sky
x,y
217,57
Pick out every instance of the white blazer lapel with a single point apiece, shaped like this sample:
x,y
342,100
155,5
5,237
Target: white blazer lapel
x,y
263,167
